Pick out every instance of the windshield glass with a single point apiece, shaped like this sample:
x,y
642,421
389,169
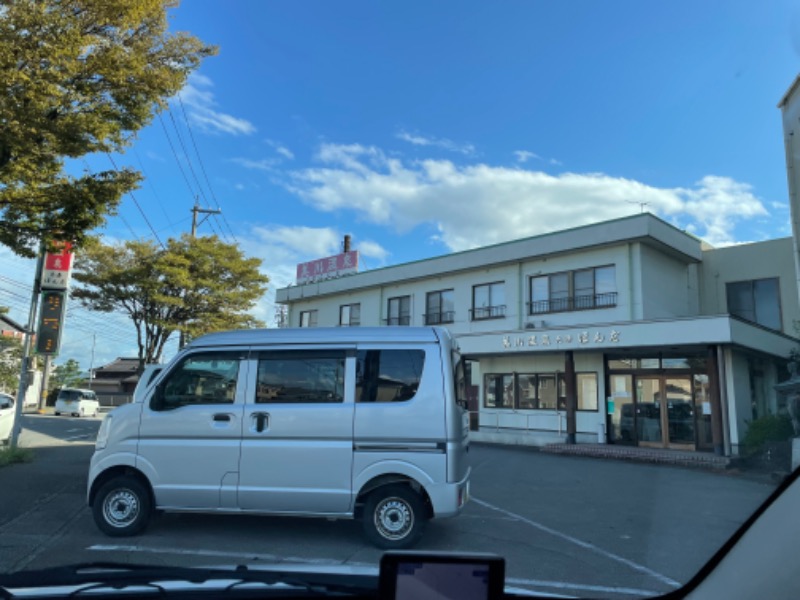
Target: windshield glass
x,y
598,202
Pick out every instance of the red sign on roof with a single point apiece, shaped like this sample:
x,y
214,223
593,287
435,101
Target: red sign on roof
x,y
327,268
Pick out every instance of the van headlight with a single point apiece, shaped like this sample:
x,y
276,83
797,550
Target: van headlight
x,y
102,435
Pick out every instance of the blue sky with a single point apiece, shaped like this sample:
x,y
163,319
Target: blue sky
x,y
422,128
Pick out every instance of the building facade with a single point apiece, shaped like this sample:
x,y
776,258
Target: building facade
x,y
625,332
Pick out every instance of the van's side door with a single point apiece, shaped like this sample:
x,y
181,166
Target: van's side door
x,y
191,428
297,442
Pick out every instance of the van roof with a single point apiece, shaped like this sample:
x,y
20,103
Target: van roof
x,y
321,335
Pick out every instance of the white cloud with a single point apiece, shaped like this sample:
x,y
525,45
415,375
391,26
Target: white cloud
x,y
524,156
281,149
421,140
265,164
481,204
372,249
199,102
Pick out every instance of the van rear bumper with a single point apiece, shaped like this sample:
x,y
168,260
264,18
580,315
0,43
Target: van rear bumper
x,y
449,499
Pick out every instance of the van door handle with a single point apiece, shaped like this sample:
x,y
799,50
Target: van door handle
x,y
220,417
261,421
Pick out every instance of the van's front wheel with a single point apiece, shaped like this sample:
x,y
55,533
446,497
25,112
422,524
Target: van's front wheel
x,y
394,517
122,507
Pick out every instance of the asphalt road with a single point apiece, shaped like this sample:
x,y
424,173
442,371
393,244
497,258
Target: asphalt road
x,y
565,525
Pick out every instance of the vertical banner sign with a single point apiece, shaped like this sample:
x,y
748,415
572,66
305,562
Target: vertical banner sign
x,y
57,267
51,318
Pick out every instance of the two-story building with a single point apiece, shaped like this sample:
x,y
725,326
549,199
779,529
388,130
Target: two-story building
x,y
629,331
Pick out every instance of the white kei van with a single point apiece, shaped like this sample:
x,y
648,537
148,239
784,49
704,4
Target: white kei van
x,y
364,423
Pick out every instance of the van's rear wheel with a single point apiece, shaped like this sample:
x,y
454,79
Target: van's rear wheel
x,y
122,507
394,517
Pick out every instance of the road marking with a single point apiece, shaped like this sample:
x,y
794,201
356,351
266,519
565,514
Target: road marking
x,y
588,546
73,430
77,437
539,583
563,585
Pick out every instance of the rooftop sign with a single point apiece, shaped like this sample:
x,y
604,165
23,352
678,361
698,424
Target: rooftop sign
x,y
345,263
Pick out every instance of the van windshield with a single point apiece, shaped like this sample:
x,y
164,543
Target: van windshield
x,y
69,395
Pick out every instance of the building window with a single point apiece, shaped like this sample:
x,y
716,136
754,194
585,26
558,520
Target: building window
x,y
538,391
757,301
488,301
350,315
498,391
388,375
587,391
439,307
573,290
308,318
399,311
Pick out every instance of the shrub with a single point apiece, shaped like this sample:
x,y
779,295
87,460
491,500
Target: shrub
x,y
772,428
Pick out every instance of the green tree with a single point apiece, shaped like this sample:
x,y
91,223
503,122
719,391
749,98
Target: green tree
x,y
67,375
10,364
194,286
79,77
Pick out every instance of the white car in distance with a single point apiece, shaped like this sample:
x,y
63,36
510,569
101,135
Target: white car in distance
x,y
77,402
6,417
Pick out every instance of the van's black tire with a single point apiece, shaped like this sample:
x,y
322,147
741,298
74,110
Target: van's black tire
x,y
394,517
122,507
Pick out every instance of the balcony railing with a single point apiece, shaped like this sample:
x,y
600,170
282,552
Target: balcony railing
x,y
402,320
487,312
439,318
585,302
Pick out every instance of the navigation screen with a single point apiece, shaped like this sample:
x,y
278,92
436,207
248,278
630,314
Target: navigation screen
x,y
442,581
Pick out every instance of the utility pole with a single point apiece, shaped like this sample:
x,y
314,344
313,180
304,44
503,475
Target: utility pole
x,y
206,211
48,365
195,211
26,347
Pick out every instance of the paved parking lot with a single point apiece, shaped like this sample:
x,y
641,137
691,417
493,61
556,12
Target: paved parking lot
x,y
565,525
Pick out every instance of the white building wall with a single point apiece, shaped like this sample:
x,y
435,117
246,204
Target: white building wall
x,y
666,285
772,258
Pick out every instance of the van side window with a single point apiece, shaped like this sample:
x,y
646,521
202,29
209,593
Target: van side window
x,y
388,375
204,378
293,377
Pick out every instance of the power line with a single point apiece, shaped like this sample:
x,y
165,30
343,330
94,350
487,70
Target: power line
x,y
154,192
203,168
119,214
136,202
175,154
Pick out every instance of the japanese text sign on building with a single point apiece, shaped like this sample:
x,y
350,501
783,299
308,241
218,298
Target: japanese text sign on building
x,y
580,338
328,268
57,268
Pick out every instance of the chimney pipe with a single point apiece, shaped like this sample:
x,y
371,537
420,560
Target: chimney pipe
x,y
347,243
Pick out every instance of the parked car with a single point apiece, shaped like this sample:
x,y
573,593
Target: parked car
x,y
6,417
77,402
350,423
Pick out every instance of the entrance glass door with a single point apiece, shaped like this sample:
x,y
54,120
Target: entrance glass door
x,y
648,412
679,412
665,412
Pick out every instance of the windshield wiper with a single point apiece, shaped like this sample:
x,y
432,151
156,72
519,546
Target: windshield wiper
x,y
118,575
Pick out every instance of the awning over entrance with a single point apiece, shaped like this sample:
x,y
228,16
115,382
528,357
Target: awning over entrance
x,y
721,329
